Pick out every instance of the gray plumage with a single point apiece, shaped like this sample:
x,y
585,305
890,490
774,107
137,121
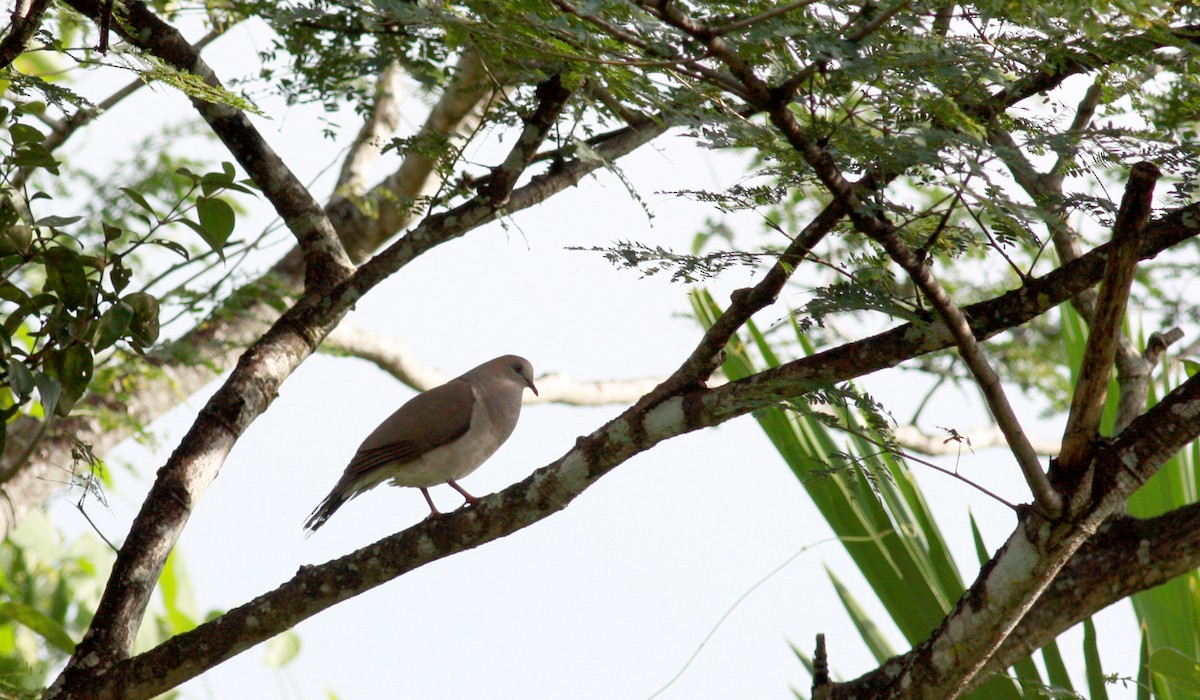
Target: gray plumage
x,y
438,437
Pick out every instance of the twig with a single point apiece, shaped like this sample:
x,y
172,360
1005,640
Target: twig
x,y
740,24
1133,378
706,357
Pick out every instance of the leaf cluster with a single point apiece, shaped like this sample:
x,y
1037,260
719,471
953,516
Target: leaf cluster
x,y
66,281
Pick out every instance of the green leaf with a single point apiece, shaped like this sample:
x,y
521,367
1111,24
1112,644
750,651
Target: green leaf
x,y
1091,658
179,600
55,221
13,293
137,198
20,379
143,328
867,629
172,245
113,324
49,392
1056,670
24,134
1182,672
49,630
119,275
15,239
65,276
1190,367
216,222
72,367
282,649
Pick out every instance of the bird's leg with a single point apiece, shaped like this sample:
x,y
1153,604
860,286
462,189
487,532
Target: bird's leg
x,y
432,508
470,499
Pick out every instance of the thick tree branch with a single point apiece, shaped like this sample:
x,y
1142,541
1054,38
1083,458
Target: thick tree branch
x,y
24,21
1100,574
1087,403
325,260
952,659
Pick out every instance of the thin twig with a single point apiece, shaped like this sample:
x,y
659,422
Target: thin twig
x,y
740,24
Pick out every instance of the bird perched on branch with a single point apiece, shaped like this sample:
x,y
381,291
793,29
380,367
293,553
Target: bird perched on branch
x,y
438,437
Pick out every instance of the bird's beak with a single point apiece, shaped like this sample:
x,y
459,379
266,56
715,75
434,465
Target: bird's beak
x,y
529,383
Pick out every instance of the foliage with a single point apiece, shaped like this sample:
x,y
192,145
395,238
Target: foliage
x,y
66,289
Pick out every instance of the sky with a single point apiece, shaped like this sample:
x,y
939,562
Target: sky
x,y
607,599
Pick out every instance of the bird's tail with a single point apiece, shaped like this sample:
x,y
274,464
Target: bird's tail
x,y
323,511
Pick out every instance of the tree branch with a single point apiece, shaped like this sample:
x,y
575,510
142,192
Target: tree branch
x,y
1087,403
367,146
952,659
24,21
394,357
1100,574
326,262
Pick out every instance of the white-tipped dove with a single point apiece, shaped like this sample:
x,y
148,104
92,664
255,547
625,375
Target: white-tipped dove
x,y
438,437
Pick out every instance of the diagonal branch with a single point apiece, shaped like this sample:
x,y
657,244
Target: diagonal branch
x,y
24,21
1099,575
706,357
552,97
325,259
1087,403
367,146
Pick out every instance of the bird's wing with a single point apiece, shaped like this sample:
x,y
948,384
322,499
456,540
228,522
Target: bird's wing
x,y
432,419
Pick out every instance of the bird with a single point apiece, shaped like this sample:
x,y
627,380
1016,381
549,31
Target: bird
x,y
438,436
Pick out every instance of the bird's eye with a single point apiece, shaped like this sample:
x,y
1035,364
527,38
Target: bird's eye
x,y
518,370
